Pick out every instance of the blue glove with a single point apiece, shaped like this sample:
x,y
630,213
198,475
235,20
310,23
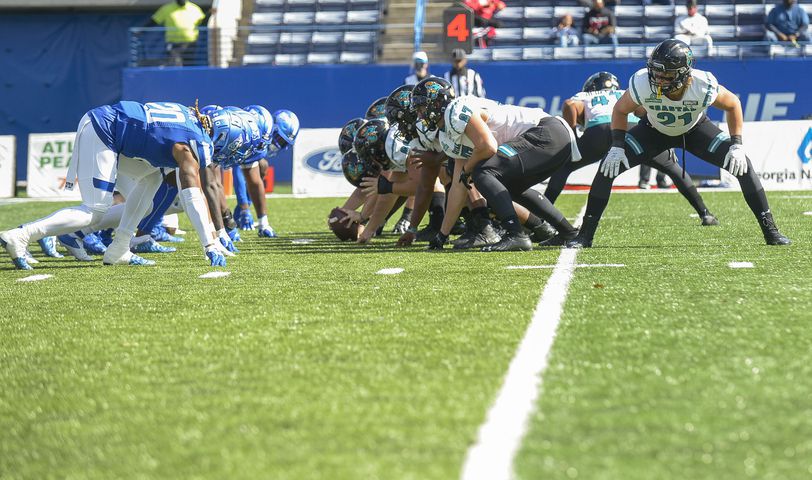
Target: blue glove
x,y
226,241
267,232
234,234
245,220
216,258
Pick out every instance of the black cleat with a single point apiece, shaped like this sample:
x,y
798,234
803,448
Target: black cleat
x,y
472,239
771,234
708,219
543,232
426,234
559,240
459,228
579,242
511,242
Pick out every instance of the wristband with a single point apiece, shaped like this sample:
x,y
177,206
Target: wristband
x,y
384,185
618,138
736,139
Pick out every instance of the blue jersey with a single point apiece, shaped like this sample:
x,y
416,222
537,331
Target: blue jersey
x,y
150,130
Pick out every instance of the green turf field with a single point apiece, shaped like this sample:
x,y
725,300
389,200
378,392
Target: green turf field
x,y
304,363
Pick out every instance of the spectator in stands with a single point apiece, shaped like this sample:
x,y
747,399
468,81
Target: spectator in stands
x,y
787,22
484,24
693,27
180,18
599,25
565,33
465,80
420,62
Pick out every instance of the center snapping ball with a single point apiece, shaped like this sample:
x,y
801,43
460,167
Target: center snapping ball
x,y
341,229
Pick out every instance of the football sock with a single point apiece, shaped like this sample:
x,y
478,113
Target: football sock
x,y
436,210
539,205
557,182
754,193
533,221
598,196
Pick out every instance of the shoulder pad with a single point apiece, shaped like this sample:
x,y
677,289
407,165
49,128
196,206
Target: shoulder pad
x,y
396,148
457,115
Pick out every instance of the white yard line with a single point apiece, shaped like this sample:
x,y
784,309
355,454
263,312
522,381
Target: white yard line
x,y
740,265
34,278
389,271
579,265
500,437
215,274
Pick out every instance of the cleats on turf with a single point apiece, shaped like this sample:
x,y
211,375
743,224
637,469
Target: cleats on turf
x,y
511,242
48,246
151,246
771,234
74,246
93,244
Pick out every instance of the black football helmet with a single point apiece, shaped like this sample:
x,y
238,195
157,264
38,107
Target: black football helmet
x,y
347,135
601,81
370,141
430,97
377,109
669,66
399,110
355,169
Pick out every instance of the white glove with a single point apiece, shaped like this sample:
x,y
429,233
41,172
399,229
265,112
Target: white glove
x,y
611,164
217,244
736,160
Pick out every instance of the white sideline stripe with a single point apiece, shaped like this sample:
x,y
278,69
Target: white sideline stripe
x,y
807,213
577,265
389,271
499,438
301,241
740,264
215,275
34,278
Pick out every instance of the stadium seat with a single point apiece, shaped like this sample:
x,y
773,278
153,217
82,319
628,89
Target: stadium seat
x,y
750,32
509,36
263,39
298,18
572,53
538,34
269,3
720,14
359,37
286,59
320,38
725,51
295,38
781,50
577,13
507,54
363,16
749,14
657,33
599,51
269,18
511,13
480,55
323,57
629,34
629,15
538,17
257,59
331,17
355,57
722,33
630,51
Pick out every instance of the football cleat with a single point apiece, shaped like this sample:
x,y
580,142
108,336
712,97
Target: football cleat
x,y
93,244
159,234
131,259
708,219
74,246
48,246
511,242
436,243
151,246
426,234
19,262
401,226
477,239
579,242
559,240
771,234
106,236
266,232
458,228
30,258
543,232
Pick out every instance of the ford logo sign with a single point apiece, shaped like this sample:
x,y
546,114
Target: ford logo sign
x,y
327,161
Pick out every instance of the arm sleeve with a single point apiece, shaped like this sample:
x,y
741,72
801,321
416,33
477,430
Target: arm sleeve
x,y
240,190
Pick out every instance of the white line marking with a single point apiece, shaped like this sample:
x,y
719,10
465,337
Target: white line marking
x,y
740,264
500,437
302,241
579,265
215,275
34,278
807,213
694,215
389,271
794,196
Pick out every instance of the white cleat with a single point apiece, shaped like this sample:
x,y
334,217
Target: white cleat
x,y
30,258
17,247
74,246
129,258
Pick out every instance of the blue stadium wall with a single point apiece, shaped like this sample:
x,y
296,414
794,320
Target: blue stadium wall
x,y
329,95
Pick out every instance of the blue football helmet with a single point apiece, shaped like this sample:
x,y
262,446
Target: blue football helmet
x,y
210,109
285,130
229,138
265,123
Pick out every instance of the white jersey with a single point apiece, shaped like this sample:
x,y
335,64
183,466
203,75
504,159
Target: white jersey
x,y
397,149
598,106
505,122
675,117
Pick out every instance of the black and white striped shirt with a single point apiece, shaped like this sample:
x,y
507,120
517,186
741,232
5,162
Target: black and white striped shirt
x,y
467,82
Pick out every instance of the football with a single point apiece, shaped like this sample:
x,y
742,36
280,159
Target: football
x,y
341,230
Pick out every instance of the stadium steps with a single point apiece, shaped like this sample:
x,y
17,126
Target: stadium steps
x,y
398,39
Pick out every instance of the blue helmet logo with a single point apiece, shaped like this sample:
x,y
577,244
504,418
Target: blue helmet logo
x,y
805,149
327,161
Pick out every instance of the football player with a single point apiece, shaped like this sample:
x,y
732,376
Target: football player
x,y
132,141
676,98
505,149
592,109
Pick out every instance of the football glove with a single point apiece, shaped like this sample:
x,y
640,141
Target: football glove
x,y
611,164
234,234
215,257
245,220
267,232
401,226
226,241
736,161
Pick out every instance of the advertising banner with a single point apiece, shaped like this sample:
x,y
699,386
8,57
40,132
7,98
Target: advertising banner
x,y
317,164
48,157
7,165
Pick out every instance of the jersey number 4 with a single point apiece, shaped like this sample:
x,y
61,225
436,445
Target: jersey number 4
x,y
164,112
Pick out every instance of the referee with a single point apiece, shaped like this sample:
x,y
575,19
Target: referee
x,y
466,81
